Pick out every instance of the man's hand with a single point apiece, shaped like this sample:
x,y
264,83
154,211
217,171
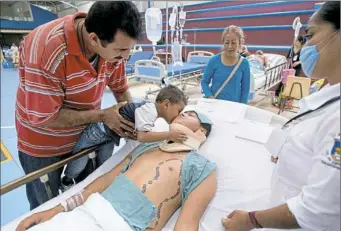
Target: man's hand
x,y
237,221
177,136
211,97
117,123
36,219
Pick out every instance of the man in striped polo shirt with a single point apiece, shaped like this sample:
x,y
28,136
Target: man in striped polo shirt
x,y
64,68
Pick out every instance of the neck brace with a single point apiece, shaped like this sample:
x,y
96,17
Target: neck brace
x,y
193,142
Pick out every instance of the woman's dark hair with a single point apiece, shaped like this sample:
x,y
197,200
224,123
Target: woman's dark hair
x,y
301,39
330,12
105,18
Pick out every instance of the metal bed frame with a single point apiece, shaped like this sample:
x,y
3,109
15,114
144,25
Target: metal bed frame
x,y
181,80
273,76
42,174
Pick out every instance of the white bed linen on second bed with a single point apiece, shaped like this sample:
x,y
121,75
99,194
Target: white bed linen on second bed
x,y
259,76
243,167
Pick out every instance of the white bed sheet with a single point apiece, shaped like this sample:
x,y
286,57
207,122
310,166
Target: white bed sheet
x,y
260,77
243,168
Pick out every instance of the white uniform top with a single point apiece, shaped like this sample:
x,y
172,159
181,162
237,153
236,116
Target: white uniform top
x,y
306,177
145,117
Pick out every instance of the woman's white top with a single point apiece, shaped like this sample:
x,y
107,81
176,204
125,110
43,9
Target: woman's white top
x,y
307,175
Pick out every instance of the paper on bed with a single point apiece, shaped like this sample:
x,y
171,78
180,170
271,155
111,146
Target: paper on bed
x,y
254,131
222,111
258,115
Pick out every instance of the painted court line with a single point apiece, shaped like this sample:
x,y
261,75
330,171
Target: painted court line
x,y
6,153
7,127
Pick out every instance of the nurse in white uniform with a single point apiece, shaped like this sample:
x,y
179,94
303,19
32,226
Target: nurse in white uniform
x,y
306,179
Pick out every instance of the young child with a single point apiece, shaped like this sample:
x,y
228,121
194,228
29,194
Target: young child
x,y
169,103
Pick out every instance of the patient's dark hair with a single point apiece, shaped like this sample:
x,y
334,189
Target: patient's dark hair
x,y
208,128
330,13
172,93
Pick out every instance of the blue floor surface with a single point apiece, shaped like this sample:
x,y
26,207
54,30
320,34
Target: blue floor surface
x,y
14,203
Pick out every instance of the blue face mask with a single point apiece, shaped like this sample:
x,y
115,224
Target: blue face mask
x,y
309,56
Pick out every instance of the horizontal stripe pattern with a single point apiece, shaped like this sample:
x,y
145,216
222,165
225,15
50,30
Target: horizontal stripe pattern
x,y
51,77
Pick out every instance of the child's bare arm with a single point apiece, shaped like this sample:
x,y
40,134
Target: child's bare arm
x,y
147,137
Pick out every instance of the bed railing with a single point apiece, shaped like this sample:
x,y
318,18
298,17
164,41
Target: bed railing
x,y
43,173
273,76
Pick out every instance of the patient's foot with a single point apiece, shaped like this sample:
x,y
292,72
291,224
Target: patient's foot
x,y
66,183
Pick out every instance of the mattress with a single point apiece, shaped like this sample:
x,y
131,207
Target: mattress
x,y
260,77
186,68
243,166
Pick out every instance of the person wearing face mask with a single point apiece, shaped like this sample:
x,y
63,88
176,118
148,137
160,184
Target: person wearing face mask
x,y
227,75
305,191
64,68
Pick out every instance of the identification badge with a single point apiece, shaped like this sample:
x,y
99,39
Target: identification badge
x,y
276,141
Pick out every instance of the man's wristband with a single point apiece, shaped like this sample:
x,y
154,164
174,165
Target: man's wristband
x,y
254,220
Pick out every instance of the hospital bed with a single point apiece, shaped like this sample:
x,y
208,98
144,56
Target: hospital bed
x,y
137,55
264,79
152,71
236,144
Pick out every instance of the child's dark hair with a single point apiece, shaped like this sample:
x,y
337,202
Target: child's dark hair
x,y
172,93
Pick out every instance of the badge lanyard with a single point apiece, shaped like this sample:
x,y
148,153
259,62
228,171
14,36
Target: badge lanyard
x,y
311,111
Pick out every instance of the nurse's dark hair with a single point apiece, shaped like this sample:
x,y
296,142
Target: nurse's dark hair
x,y
301,39
330,13
105,18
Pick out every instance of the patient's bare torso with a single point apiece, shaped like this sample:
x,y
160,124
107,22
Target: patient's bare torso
x,y
157,174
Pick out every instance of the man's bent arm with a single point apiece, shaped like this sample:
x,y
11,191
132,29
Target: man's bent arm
x,y
123,97
69,118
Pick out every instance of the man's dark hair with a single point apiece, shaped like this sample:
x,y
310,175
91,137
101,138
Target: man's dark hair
x,y
172,93
106,18
330,13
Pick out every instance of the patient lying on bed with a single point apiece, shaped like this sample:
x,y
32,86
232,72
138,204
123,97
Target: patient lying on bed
x,y
258,62
144,190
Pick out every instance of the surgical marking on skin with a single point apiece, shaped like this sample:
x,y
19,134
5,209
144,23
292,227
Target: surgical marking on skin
x,y
157,174
177,193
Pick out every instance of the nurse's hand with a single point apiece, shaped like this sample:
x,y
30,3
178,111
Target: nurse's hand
x,y
237,221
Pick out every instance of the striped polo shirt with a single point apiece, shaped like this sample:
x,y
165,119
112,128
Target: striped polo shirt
x,y
53,74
